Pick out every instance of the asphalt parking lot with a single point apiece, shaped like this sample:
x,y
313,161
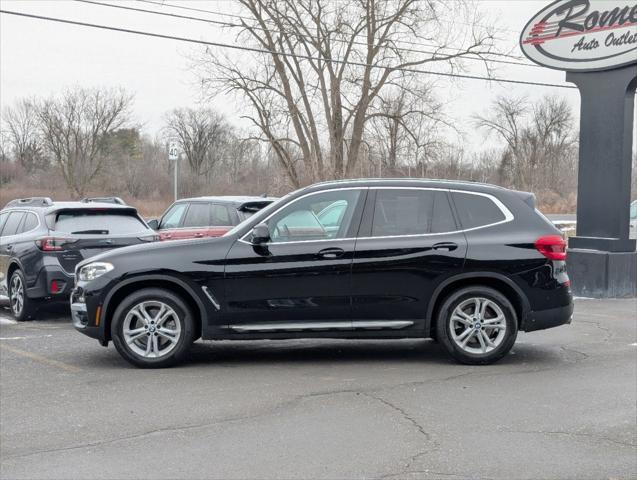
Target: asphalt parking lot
x,y
561,405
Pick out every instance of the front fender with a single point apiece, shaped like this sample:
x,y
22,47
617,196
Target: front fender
x,y
146,280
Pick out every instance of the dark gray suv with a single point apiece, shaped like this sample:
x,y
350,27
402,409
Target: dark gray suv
x,y
41,241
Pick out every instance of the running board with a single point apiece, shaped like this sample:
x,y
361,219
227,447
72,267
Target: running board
x,y
320,326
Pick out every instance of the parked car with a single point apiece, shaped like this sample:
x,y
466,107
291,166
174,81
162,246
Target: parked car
x,y
468,264
206,216
633,218
41,241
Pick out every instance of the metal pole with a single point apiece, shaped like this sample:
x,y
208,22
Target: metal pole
x,y
175,177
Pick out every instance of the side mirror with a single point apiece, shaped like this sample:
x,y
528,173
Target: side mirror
x,y
260,234
154,224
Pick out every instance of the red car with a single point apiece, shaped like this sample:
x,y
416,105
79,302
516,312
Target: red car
x,y
206,216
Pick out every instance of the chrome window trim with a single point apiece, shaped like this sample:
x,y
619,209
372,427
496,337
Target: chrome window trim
x,y
27,212
508,216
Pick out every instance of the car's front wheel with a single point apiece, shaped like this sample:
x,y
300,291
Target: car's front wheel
x,y
477,325
153,328
22,307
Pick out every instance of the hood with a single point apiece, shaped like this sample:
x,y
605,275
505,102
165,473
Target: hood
x,y
156,251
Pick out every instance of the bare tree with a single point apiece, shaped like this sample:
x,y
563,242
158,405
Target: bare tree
x,y
75,127
23,135
202,135
323,64
541,145
406,126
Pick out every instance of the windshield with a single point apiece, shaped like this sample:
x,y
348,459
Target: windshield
x,y
98,223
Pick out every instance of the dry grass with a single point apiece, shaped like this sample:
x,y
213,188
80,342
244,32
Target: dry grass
x,y
51,184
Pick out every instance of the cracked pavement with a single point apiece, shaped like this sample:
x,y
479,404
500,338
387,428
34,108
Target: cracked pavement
x,y
561,405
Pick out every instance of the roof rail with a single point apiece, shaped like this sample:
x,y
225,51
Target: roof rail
x,y
115,200
30,202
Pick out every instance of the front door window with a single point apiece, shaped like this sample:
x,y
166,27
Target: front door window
x,y
305,220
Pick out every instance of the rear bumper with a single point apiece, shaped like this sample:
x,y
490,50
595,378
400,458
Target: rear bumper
x,y
552,317
48,275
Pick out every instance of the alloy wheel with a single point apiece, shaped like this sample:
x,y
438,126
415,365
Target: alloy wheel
x,y
151,329
16,296
478,325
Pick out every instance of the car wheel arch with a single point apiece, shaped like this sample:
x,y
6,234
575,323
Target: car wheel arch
x,y
168,282
494,280
13,266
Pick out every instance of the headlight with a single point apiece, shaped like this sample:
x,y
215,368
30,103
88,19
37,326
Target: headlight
x,y
94,270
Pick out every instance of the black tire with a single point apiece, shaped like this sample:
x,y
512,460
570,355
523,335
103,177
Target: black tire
x,y
184,316
29,307
444,326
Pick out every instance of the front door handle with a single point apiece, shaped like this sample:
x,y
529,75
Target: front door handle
x,y
449,246
332,252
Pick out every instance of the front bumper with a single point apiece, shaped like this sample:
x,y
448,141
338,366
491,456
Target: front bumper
x,y
549,318
80,319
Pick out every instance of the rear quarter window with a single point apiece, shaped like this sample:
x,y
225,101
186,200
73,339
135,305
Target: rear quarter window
x,y
30,222
476,210
95,223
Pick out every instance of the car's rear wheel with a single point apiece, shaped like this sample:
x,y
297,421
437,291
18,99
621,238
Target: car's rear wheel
x,y
22,307
477,325
153,328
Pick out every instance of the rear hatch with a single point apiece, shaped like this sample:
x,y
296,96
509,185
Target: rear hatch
x,y
78,234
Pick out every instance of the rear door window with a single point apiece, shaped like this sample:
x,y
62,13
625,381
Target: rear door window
x,y
476,210
220,216
172,218
411,212
12,224
83,222
3,219
198,215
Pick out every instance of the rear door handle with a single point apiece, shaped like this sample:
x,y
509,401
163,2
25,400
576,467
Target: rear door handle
x,y
198,235
450,246
9,247
333,252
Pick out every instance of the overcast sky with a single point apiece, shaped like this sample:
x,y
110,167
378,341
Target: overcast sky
x,y
41,58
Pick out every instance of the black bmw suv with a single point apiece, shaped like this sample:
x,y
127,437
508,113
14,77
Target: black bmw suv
x,y
41,241
467,264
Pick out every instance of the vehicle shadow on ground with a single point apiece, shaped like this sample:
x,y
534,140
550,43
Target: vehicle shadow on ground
x,y
258,352
424,352
387,353
57,312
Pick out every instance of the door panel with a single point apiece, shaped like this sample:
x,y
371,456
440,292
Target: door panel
x,y
288,282
396,269
7,244
302,275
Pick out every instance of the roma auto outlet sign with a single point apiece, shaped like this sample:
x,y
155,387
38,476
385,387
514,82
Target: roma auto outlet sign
x,y
583,35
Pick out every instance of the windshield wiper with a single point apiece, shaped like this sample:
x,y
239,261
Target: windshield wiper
x,y
95,232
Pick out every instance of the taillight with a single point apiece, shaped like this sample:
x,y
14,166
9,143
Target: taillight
x,y
552,246
53,244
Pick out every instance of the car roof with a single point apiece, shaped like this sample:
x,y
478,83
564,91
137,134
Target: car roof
x,y
56,206
407,182
231,199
